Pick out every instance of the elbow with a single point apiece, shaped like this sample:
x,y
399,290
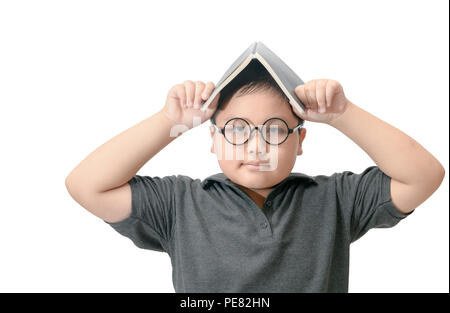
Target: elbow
x,y
432,180
69,185
72,186
441,175
68,180
437,178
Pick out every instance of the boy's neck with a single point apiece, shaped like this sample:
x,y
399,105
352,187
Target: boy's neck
x,y
257,195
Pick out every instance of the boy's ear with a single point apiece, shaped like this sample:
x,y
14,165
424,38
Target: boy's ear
x,y
300,140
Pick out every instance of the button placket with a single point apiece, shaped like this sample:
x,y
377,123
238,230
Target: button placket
x,y
264,226
265,229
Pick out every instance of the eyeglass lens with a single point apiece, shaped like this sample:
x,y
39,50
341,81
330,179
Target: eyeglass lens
x,y
274,131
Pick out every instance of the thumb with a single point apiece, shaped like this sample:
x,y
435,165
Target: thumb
x,y
303,116
212,107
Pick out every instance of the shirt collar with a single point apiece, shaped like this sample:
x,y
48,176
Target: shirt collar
x,y
221,178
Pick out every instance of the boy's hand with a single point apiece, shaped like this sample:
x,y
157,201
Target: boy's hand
x,y
324,99
184,101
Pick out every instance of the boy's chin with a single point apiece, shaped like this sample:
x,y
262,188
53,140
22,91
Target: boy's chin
x,y
253,178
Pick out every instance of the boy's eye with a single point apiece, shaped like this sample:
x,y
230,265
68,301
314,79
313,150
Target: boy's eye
x,y
277,130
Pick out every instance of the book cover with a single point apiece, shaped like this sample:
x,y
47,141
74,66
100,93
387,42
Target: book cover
x,y
285,77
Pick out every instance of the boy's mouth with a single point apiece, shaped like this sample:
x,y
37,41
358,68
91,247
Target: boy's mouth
x,y
255,165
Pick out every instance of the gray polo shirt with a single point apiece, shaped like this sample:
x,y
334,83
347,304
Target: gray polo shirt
x,y
219,240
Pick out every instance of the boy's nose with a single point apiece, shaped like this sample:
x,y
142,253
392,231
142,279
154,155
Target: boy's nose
x,y
256,146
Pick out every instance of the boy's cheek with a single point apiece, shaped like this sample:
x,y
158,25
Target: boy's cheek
x,y
234,155
226,151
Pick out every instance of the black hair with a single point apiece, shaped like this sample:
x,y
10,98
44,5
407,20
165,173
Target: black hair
x,y
253,78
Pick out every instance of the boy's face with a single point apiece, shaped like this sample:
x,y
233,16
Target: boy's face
x,y
279,160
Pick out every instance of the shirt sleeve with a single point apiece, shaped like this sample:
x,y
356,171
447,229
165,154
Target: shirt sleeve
x,y
152,218
368,197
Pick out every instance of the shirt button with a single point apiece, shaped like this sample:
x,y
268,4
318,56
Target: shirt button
x,y
269,203
264,225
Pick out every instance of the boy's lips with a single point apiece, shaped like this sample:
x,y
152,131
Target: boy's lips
x,y
255,163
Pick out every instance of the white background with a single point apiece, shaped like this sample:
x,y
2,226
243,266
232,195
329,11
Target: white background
x,y
73,74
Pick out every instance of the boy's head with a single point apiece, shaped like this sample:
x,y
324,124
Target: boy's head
x,y
254,97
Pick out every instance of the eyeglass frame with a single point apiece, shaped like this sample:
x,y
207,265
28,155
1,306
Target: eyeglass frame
x,y
290,130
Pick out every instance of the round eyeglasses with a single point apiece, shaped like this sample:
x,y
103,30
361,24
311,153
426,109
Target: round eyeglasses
x,y
274,131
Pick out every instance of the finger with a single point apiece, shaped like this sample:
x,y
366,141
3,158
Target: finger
x,y
300,91
321,95
209,87
330,91
310,91
213,105
190,92
297,112
199,86
180,93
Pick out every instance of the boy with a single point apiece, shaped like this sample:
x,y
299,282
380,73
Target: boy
x,y
256,227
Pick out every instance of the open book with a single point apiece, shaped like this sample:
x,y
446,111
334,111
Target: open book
x,y
281,73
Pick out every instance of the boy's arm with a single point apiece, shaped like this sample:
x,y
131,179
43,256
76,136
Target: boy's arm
x,y
415,173
100,182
